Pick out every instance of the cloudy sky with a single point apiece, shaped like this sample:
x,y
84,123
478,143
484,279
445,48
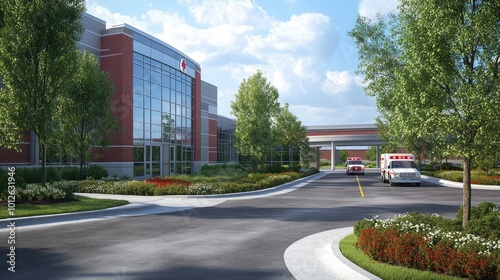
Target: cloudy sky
x,y
301,47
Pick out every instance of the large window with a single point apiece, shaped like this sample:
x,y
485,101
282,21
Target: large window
x,y
162,118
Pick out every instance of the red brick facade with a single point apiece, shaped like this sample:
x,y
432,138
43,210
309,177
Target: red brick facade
x,y
8,157
116,60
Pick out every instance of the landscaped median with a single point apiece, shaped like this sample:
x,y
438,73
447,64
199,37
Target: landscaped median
x,y
58,197
429,243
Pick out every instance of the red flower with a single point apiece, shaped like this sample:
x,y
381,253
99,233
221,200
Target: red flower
x,y
164,182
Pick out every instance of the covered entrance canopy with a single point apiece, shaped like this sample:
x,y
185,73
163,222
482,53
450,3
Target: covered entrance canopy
x,y
343,135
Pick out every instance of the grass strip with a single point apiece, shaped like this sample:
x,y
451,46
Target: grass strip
x,y
385,271
81,203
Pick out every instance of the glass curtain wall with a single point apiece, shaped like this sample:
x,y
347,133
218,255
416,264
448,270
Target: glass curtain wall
x,y
162,118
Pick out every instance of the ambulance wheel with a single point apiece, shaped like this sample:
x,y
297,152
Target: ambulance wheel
x,y
391,182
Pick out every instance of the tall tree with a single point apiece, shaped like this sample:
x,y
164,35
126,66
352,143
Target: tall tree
x,y
255,107
291,133
85,112
37,47
433,68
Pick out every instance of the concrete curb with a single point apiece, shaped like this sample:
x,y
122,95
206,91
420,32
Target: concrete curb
x,y
458,185
324,259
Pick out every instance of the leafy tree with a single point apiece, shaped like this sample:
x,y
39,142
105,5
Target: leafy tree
x,y
343,155
291,133
37,44
85,111
433,68
371,153
255,107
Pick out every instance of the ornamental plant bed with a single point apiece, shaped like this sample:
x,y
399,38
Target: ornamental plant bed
x,y
165,182
432,243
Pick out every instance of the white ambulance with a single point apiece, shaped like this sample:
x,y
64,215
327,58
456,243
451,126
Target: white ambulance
x,y
354,165
399,169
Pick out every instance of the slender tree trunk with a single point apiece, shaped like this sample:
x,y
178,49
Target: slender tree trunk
x,y
81,166
466,192
44,160
289,157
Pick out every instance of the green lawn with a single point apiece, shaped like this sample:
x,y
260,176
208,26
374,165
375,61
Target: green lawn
x,y
81,203
385,271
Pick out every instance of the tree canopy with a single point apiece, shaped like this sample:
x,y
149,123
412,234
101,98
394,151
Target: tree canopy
x,y
255,108
37,48
433,69
85,109
291,133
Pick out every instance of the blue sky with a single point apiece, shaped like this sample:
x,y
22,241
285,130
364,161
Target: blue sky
x,y
301,47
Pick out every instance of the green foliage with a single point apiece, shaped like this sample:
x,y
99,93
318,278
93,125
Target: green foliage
x,y
371,153
37,47
200,184
273,168
85,111
485,220
38,192
70,173
96,172
290,132
222,169
361,225
29,175
307,171
343,154
255,107
433,69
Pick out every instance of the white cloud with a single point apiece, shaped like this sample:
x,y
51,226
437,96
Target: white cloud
x,y
233,12
233,39
116,18
338,82
370,8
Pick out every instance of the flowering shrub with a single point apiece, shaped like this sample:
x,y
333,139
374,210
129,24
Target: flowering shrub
x,y
487,180
188,184
38,192
477,177
426,246
203,189
163,182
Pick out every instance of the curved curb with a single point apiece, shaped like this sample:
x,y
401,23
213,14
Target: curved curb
x,y
318,257
457,185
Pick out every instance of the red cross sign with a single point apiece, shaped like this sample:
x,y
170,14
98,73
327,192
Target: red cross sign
x,y
183,65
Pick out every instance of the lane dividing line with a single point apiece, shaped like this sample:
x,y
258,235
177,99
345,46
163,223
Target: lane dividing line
x,y
360,188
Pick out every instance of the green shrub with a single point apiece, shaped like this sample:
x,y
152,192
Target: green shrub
x,y
52,174
273,168
96,172
30,175
70,173
361,225
38,192
68,187
455,176
222,169
308,171
484,220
